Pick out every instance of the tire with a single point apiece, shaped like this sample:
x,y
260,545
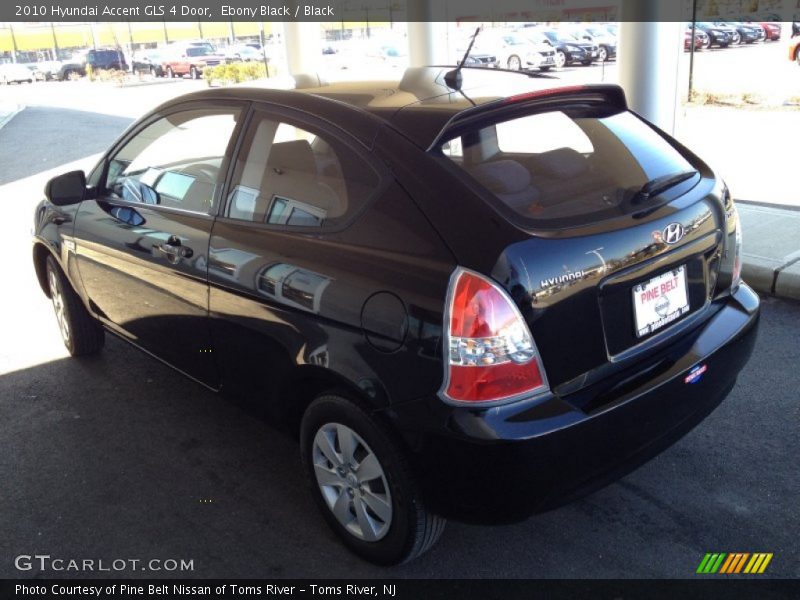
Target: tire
x,y
602,54
193,73
394,526
737,38
153,71
586,63
561,59
707,44
81,333
544,69
514,63
170,73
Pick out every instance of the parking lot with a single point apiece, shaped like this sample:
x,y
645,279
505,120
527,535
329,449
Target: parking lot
x,y
120,457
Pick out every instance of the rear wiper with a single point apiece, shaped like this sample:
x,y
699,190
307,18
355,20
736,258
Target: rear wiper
x,y
661,184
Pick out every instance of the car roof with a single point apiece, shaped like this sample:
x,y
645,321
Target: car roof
x,y
419,105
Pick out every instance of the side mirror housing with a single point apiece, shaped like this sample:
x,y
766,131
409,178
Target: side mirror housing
x,y
67,188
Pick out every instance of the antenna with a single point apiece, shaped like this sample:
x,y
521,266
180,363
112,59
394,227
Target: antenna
x,y
453,78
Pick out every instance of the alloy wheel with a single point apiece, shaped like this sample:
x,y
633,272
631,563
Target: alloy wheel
x,y
561,59
602,54
58,306
352,482
514,63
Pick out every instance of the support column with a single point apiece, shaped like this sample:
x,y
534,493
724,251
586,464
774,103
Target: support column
x,y
650,47
303,45
427,34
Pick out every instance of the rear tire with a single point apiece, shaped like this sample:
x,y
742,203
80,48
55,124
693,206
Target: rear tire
x,y
81,333
561,59
193,73
514,63
602,54
349,457
170,72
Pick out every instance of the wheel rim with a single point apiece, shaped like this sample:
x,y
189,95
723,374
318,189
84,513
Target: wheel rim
x,y
561,58
602,55
514,63
352,482
58,305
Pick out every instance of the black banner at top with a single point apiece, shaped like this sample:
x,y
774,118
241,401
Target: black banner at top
x,y
395,10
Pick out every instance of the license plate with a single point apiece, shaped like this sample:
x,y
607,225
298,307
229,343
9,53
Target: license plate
x,y
660,301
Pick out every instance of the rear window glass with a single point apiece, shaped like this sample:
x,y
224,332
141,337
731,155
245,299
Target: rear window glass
x,y
565,170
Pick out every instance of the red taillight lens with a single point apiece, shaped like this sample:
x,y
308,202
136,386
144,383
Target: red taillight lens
x,y
490,354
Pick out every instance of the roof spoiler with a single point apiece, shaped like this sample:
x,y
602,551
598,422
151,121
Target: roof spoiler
x,y
610,95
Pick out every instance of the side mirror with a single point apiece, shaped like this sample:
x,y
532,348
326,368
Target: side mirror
x,y
68,188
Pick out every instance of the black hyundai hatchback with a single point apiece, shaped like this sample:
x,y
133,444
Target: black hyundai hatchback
x,y
474,303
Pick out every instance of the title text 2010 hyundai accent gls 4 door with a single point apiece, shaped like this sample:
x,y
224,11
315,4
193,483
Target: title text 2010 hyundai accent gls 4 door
x,y
474,304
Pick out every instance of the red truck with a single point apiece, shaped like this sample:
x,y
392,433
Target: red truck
x,y
190,58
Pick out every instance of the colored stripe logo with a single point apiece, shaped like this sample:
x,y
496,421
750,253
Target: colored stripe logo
x,y
724,563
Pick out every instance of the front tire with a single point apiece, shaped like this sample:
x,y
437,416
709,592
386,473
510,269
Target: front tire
x,y
170,73
194,73
514,63
602,54
561,59
363,484
81,333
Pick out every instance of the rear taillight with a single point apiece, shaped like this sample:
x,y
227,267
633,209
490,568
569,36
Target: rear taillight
x,y
489,353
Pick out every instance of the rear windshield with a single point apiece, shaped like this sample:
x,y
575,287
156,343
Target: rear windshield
x,y
553,169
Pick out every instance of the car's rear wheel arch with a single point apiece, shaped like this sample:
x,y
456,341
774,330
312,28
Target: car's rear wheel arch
x,y
308,383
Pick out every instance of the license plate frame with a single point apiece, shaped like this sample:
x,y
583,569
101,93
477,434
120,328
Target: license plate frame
x,y
659,301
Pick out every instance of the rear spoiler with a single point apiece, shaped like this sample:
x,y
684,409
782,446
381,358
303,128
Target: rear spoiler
x,y
609,95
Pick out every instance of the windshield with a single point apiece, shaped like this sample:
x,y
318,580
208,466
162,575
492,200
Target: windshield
x,y
555,168
557,36
513,40
198,51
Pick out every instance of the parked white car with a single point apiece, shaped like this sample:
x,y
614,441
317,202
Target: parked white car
x,y
514,51
14,73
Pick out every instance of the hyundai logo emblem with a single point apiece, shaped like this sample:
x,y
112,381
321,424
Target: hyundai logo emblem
x,y
672,233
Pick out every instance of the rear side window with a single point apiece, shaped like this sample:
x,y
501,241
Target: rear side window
x,y
288,176
554,169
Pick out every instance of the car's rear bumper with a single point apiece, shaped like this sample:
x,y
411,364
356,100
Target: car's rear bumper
x,y
507,462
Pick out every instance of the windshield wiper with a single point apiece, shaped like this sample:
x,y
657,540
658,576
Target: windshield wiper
x,y
661,184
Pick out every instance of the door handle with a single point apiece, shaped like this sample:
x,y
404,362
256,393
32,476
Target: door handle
x,y
174,249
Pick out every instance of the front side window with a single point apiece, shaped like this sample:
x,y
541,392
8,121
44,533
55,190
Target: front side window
x,y
174,162
289,176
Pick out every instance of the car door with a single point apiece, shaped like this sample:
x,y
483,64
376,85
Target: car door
x,y
285,288
142,244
